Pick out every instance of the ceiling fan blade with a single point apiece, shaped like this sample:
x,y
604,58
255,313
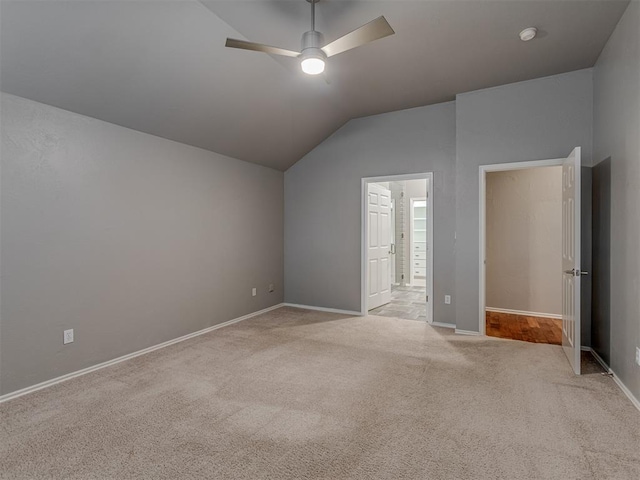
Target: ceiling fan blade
x,y
258,47
378,28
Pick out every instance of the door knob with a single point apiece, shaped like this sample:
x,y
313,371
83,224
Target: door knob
x,y
575,272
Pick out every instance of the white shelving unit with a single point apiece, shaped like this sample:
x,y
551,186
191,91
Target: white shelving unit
x,y
419,245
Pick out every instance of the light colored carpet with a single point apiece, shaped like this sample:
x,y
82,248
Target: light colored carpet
x,y
294,394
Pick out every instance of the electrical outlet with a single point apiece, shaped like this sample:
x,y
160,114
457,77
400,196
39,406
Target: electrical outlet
x,y
271,289
254,291
67,337
638,356
447,299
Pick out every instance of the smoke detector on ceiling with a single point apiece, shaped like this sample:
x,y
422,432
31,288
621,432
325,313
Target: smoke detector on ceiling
x,y
528,34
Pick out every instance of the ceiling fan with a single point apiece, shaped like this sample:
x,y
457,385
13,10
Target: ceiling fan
x,y
313,55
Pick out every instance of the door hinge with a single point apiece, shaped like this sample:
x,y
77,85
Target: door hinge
x,y
427,298
402,276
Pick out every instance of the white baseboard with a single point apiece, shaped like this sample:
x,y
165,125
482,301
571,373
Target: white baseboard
x,y
443,325
466,332
615,377
323,309
523,312
108,363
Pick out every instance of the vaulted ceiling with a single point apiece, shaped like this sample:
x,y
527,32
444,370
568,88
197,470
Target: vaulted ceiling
x,y
161,66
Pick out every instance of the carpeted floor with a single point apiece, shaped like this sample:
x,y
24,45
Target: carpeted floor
x,y
294,394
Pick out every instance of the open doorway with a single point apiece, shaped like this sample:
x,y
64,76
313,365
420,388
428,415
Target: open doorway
x,y
569,268
397,253
523,245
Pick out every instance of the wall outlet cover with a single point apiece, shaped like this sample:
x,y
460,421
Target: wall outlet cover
x,y
67,336
638,356
254,292
447,299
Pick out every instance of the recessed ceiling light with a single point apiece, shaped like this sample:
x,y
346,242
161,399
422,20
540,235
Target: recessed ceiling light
x,y
528,34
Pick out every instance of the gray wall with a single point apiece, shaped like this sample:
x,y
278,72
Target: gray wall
x,y
129,239
617,136
538,119
601,269
524,240
323,201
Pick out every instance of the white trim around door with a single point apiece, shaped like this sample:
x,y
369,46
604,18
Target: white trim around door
x,y
484,169
428,176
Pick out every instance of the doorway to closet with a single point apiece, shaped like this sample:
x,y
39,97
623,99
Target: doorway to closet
x,y
523,254
530,269
397,253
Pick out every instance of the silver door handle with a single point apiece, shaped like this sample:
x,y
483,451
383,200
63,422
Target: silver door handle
x,y
575,272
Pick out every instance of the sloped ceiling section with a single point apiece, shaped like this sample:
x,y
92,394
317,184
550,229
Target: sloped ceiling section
x,y
161,66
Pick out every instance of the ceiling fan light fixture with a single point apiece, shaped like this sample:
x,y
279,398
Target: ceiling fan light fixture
x,y
312,66
314,52
312,61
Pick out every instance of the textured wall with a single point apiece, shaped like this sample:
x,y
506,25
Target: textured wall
x,y
323,199
524,240
129,239
617,138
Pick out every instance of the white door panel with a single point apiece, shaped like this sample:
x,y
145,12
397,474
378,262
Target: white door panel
x,y
571,258
373,229
373,278
385,230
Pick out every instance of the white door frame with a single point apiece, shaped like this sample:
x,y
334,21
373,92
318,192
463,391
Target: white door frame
x,y
364,224
484,169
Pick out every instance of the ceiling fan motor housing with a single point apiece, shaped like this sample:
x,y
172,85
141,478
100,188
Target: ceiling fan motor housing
x,y
312,42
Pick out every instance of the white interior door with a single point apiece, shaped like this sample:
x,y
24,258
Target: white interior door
x,y
378,245
571,258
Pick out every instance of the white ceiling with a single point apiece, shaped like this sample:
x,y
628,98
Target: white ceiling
x,y
160,66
